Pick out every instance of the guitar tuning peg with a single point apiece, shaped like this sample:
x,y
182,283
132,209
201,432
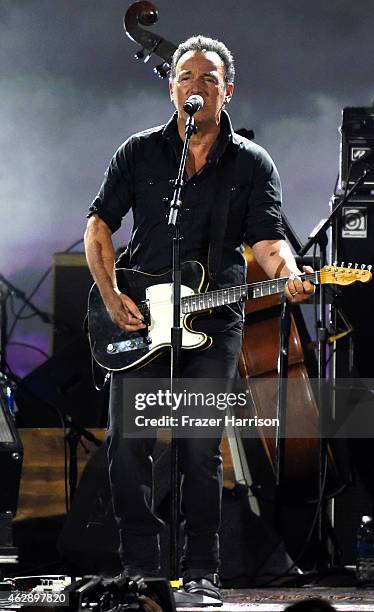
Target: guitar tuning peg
x,y
369,267
356,266
350,265
334,263
363,266
342,264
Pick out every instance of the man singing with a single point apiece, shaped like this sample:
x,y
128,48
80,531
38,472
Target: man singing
x,y
140,178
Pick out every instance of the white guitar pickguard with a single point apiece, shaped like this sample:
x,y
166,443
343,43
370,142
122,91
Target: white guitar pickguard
x,y
161,310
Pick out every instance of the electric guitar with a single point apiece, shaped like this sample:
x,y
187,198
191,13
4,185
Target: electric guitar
x,y
115,349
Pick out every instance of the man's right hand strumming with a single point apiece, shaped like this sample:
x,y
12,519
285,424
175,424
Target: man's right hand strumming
x,y
124,312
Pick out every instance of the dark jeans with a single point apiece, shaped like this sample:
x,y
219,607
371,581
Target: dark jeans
x,y
200,462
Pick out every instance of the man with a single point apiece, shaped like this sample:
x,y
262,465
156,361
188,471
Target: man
x,y
139,177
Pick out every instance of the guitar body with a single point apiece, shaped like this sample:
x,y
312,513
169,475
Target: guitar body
x,y
115,349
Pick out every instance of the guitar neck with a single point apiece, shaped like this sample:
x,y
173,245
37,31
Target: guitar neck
x,y
221,297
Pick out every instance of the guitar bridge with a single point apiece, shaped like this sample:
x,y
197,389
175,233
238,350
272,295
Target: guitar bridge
x,y
134,341
131,344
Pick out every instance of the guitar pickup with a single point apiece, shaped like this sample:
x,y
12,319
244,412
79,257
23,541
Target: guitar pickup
x,y
132,344
144,309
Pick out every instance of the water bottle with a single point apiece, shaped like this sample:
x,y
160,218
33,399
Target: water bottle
x,y
365,551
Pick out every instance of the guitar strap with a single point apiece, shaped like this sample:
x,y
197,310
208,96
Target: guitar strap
x,y
220,209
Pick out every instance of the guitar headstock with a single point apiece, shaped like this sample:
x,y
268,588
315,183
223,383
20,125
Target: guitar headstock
x,y
339,275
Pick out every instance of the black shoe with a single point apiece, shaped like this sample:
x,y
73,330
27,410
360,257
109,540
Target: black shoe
x,y
207,586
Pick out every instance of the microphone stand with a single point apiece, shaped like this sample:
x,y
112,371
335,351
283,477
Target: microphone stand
x,y
280,442
44,316
7,289
176,338
319,236
73,437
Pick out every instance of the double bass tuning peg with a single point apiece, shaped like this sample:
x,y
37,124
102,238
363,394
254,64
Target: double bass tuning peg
x,y
162,70
143,55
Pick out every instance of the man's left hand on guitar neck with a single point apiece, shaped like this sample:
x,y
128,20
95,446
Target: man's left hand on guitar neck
x,y
276,259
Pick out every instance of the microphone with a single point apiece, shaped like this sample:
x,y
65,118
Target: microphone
x,y
193,104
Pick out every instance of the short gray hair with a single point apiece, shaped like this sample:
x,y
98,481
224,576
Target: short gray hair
x,y
202,44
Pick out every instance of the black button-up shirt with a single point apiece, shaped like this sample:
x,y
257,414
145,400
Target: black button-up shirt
x,y
140,177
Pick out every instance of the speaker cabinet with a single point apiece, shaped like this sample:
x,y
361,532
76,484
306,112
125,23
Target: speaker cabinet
x,y
353,242
357,139
71,285
353,237
63,385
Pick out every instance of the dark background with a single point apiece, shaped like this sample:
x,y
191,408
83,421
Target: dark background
x,y
71,92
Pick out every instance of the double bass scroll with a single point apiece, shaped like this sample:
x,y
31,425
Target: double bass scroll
x,y
145,13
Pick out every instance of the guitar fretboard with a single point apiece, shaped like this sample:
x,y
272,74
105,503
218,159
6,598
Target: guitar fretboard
x,y
221,297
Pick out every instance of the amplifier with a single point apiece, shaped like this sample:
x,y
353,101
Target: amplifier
x,y
71,285
11,455
353,241
357,138
353,232
65,382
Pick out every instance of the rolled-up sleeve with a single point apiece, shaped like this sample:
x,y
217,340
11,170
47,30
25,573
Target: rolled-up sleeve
x,y
115,196
263,219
